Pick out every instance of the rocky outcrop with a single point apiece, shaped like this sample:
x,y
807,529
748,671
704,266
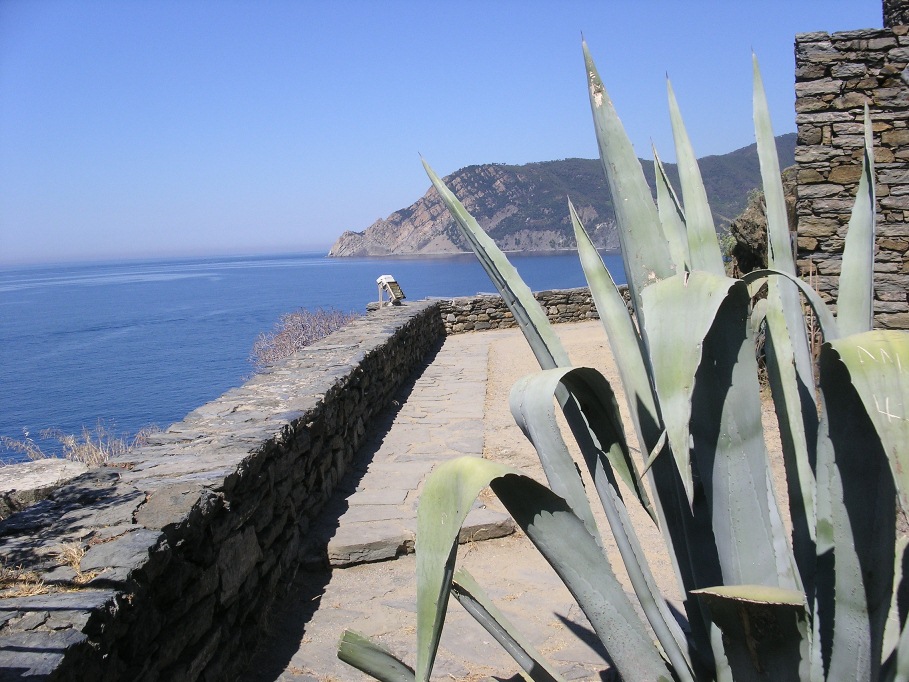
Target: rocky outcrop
x,y
505,200
750,229
524,208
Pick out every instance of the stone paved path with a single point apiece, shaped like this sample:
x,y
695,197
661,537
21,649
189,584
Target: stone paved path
x,y
440,416
373,515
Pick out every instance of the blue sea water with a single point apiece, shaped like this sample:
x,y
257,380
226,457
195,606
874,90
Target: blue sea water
x,y
139,343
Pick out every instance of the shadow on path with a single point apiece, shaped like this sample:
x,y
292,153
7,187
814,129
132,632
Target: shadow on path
x,y
286,623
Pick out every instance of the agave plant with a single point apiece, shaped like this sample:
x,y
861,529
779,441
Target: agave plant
x,y
824,602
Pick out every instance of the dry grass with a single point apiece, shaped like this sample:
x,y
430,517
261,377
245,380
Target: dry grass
x,y
18,582
94,447
294,331
70,555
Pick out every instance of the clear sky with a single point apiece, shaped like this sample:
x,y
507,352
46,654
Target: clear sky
x,y
180,127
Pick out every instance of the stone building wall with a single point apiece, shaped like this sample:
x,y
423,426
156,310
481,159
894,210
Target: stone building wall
x,y
836,74
896,13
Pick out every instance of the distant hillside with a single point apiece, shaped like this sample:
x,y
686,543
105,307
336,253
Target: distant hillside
x,y
524,208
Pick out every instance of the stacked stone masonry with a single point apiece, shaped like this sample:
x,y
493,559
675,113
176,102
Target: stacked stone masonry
x,y
163,565
836,75
490,312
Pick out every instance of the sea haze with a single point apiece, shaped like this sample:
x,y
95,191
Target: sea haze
x,y
142,343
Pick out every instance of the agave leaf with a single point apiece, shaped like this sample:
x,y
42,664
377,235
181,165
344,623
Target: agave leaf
x,y
896,619
703,247
706,378
829,328
789,363
902,657
372,658
558,465
758,314
687,530
557,533
730,452
644,247
723,670
623,337
779,241
603,439
565,543
797,417
855,491
684,308
517,295
854,302
476,602
448,494
672,217
765,630
878,366
783,295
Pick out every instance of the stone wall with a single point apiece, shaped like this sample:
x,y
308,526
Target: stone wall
x,y
836,74
476,313
162,566
896,13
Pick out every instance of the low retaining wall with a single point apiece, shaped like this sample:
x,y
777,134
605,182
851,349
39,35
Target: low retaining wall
x,y
162,566
475,313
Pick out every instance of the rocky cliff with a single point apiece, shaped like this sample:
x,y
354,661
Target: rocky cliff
x,y
524,208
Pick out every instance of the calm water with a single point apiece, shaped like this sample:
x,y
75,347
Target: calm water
x,y
143,343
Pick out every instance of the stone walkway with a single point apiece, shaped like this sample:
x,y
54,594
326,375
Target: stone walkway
x,y
373,516
439,416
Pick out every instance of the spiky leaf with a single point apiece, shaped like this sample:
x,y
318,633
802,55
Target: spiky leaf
x,y
705,374
475,601
672,217
854,303
517,295
765,630
557,533
855,492
878,365
644,247
703,247
789,363
372,658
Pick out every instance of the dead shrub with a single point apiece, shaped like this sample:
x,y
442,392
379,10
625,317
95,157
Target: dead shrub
x,y
296,330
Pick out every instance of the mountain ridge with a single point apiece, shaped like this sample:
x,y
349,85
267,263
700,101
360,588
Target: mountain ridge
x,y
524,207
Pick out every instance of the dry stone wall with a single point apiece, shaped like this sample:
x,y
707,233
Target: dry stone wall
x,y
162,566
836,75
477,313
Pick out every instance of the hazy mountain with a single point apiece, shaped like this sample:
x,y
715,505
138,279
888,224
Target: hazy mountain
x,y
525,207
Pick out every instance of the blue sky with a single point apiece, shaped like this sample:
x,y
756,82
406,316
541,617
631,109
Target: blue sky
x,y
142,129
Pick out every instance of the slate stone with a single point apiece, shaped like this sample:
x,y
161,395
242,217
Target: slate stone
x,y
34,654
236,559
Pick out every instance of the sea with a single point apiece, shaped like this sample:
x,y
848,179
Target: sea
x,y
138,343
